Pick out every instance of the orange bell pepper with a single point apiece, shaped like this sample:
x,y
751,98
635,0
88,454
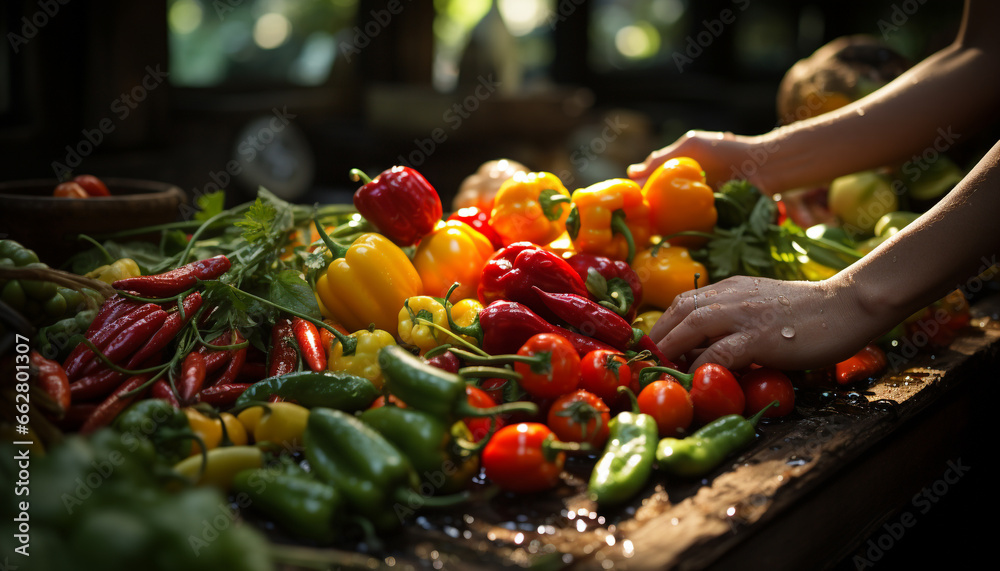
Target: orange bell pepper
x,y
453,253
666,271
530,207
610,219
681,201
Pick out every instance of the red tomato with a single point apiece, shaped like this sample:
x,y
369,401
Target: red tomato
x,y
602,371
494,388
480,426
446,361
557,371
70,189
580,416
764,386
519,458
669,403
715,392
92,185
635,368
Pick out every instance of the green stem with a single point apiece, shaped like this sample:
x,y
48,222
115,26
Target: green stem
x,y
114,367
683,378
454,337
97,245
358,175
619,226
489,373
501,359
337,250
204,226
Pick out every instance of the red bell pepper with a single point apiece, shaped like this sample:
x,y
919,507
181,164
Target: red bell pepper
x,y
479,220
512,272
400,203
606,280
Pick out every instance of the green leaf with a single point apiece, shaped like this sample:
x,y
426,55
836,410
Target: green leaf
x,y
210,204
258,221
289,289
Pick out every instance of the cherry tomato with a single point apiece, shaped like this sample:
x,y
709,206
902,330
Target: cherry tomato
x,y
635,368
580,416
92,185
669,403
480,426
70,189
558,369
602,371
494,387
715,392
381,400
520,458
765,385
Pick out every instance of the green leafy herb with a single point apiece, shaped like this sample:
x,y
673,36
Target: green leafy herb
x,y
210,205
258,221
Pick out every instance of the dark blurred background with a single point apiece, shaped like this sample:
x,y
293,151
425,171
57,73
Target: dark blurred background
x,y
291,94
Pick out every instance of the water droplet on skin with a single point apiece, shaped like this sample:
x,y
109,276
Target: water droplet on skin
x,y
861,111
783,300
787,332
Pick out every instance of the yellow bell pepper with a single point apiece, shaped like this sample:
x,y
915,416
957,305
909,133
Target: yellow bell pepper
x,y
530,207
646,320
681,201
421,335
610,219
666,271
368,284
453,253
465,313
363,362
210,429
119,269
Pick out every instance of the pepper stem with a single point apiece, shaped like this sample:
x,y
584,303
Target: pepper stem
x,y
753,420
552,446
631,397
466,410
411,497
542,359
358,175
683,378
619,226
474,330
337,250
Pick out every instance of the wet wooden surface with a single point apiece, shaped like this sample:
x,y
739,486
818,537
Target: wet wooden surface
x,y
807,494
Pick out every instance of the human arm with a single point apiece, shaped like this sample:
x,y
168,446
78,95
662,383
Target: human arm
x,y
740,320
951,90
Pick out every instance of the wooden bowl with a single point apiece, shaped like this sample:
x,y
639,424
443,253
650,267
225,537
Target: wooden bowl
x,y
30,214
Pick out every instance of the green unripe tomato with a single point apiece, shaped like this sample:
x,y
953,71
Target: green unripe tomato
x,y
859,200
894,222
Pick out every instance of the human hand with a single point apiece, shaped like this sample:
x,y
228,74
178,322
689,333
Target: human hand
x,y
790,325
724,156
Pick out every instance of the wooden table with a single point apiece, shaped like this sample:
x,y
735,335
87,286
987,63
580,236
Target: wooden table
x,y
853,480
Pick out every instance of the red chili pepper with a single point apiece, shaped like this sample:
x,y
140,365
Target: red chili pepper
x,y
282,358
110,310
251,372
215,358
400,203
129,340
96,385
864,365
222,395
307,336
507,325
166,333
176,281
114,404
236,359
52,379
589,318
77,362
161,390
479,220
512,272
192,378
605,279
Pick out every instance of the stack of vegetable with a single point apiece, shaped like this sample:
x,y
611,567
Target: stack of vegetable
x,y
346,367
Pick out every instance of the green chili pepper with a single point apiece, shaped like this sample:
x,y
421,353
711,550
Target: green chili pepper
x,y
627,461
444,457
707,447
329,389
295,500
426,387
359,462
